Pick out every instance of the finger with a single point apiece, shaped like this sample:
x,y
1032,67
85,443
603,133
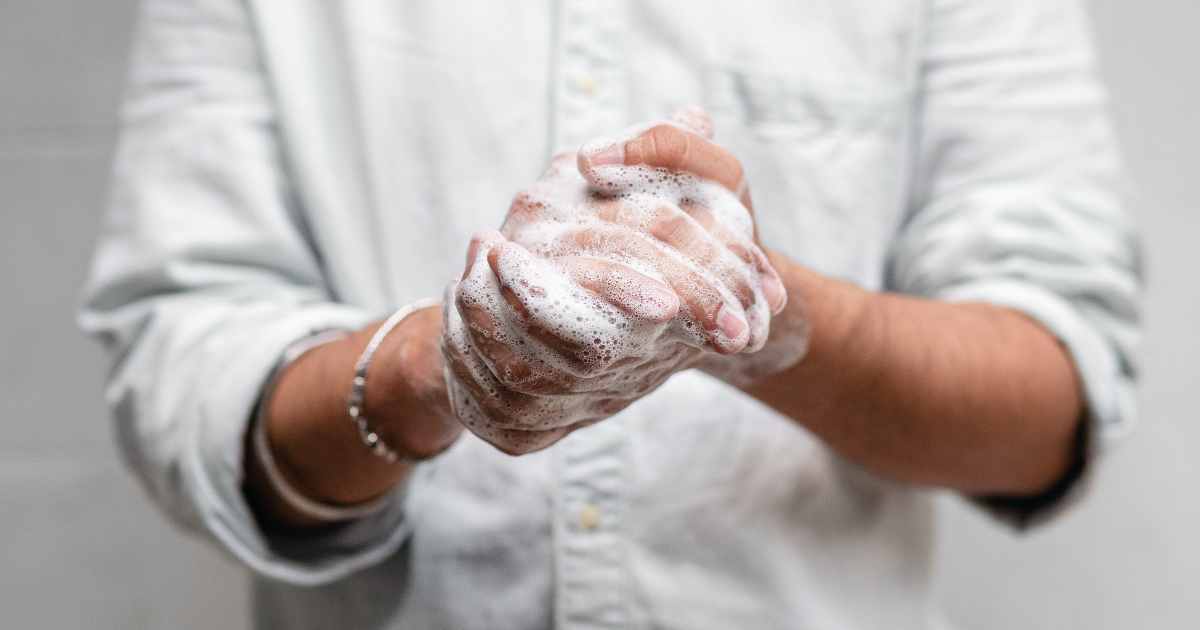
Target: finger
x,y
733,264
555,313
720,231
510,366
467,377
480,400
680,232
525,208
480,241
540,333
750,253
578,358
692,231
476,418
667,146
651,373
773,287
720,317
501,415
634,293
480,306
460,346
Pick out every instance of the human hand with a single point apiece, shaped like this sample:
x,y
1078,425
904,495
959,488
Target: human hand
x,y
660,146
607,278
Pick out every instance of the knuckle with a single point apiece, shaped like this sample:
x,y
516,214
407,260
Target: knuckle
x,y
493,353
580,240
609,210
668,147
744,291
581,363
591,366
526,205
706,308
761,262
699,213
512,371
743,253
508,448
671,227
492,416
478,326
516,304
459,370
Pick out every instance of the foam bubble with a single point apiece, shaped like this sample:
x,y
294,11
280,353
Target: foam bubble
x,y
611,355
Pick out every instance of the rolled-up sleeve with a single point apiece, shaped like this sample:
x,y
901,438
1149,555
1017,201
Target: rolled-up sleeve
x,y
1019,201
203,275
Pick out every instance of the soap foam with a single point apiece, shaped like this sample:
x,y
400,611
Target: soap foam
x,y
562,204
612,356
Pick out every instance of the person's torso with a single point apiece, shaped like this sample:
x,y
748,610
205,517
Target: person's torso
x,y
410,125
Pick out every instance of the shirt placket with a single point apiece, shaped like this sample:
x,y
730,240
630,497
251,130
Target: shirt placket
x,y
590,578
590,82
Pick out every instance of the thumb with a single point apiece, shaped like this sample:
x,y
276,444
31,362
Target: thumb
x,y
666,145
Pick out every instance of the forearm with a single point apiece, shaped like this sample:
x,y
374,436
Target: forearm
x,y
315,444
968,396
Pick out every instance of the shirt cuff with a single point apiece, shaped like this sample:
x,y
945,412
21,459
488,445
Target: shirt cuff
x,y
213,472
1108,394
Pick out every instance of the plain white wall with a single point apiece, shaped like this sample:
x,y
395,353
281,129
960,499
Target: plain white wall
x,y
80,547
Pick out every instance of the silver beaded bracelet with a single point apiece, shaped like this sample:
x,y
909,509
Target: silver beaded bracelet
x,y
358,389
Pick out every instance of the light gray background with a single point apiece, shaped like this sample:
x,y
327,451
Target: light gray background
x,y
80,546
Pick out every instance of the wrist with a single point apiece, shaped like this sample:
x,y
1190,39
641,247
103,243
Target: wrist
x,y
310,435
406,395
822,315
314,440
833,312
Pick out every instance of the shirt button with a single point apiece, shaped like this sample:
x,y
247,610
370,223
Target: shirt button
x,y
587,85
589,516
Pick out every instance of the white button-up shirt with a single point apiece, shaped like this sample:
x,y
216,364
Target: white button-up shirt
x,y
287,167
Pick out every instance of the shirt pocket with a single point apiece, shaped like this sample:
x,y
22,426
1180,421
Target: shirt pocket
x,y
825,158
788,106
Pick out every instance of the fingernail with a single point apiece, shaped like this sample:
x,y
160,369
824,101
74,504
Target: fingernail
x,y
774,291
730,324
604,152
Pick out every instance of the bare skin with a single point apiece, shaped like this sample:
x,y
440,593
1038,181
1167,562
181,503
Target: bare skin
x,y
970,397
312,439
